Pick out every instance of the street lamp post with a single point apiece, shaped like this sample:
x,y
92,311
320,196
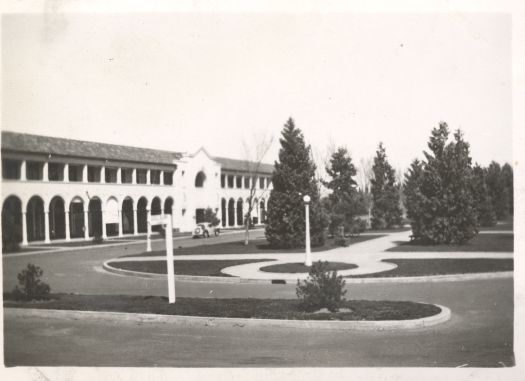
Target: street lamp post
x,y
308,256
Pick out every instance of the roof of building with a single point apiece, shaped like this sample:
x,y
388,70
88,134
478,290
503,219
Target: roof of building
x,y
243,165
78,148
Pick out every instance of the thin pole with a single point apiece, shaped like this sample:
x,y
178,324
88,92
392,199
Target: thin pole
x,y
308,259
169,258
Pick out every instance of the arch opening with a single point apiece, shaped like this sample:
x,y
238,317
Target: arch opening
x,y
57,218
35,218
11,224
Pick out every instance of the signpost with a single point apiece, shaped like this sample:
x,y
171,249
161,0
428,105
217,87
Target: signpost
x,y
166,221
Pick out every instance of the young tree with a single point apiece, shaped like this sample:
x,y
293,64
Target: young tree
x,y
386,211
447,212
507,176
498,192
294,177
254,154
342,200
482,200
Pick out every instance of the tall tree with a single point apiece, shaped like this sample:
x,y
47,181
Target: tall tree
x,y
498,192
294,177
447,212
482,200
342,200
508,182
412,193
386,211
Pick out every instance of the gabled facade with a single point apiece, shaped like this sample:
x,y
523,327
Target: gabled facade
x,y
63,189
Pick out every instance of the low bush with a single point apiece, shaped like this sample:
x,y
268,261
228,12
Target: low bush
x,y
31,287
322,289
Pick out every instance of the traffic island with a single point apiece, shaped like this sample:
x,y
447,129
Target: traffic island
x,y
358,314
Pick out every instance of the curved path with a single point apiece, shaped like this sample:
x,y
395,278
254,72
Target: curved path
x,y
480,332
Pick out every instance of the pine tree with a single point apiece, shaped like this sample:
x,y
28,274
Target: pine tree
x,y
343,199
482,200
412,192
508,182
498,192
294,177
447,212
386,211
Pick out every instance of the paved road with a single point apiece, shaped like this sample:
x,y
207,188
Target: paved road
x,y
479,333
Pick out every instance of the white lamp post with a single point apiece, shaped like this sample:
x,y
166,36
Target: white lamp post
x,y
308,257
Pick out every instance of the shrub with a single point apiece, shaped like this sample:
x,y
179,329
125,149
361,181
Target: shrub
x,y
341,241
31,287
322,289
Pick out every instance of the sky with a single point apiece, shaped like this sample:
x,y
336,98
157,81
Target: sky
x,y
180,81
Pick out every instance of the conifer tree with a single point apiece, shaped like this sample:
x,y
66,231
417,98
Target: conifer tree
x,y
294,177
412,191
482,200
508,182
343,199
498,192
386,211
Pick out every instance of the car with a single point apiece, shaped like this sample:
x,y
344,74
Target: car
x,y
205,229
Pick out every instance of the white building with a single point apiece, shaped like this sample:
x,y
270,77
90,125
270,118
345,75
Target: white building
x,y
63,189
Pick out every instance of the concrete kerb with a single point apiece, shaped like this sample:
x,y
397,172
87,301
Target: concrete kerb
x,y
218,279
198,321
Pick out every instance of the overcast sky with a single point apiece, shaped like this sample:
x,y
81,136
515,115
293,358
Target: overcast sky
x,y
181,81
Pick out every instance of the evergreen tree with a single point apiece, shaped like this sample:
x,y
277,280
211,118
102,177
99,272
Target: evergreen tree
x,y
482,200
294,177
447,212
498,192
343,199
386,211
508,182
412,192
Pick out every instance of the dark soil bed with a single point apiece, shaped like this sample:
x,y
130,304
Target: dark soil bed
x,y
239,308
301,268
492,242
441,266
259,246
201,268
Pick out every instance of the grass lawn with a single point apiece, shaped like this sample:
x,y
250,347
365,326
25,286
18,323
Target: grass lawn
x,y
259,246
441,266
502,225
384,231
240,308
202,268
301,268
496,242
25,249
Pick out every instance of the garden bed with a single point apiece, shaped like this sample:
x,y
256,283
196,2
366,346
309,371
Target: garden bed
x,y
232,308
301,268
259,246
197,268
493,242
441,266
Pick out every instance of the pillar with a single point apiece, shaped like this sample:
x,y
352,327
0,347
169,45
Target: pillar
x,y
119,175
161,180
235,215
46,226
86,225
23,173
103,174
24,229
120,233
104,234
65,176
134,177
135,222
45,172
148,219
68,237
148,177
84,175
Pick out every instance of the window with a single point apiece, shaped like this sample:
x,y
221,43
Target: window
x,y
111,175
34,170
93,174
10,169
246,182
230,181
154,176
168,177
55,171
238,182
200,179
126,175
261,182
75,172
141,176
223,181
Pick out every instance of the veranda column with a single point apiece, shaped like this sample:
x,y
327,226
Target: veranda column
x,y
68,236
120,233
65,175
46,226
148,177
45,172
103,174
86,225
235,215
104,234
24,229
23,171
135,224
134,176
84,174
119,175
161,178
